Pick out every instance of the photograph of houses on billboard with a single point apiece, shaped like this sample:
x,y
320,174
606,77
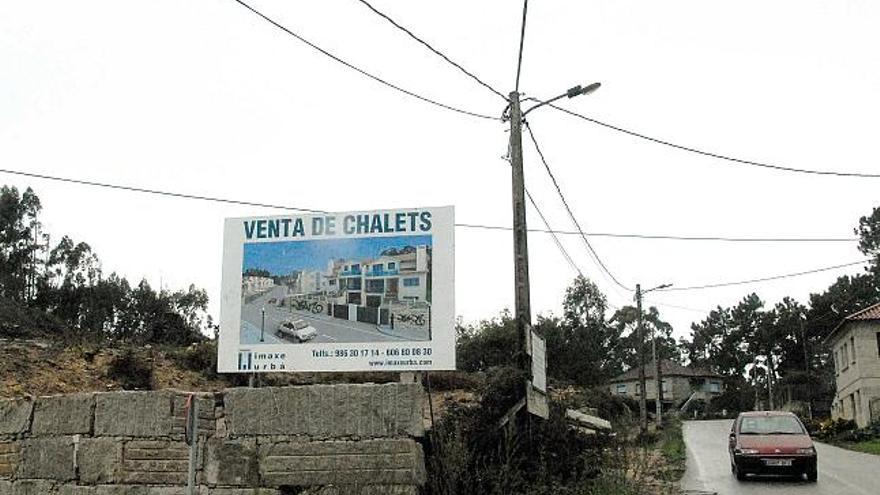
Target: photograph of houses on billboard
x,y
375,289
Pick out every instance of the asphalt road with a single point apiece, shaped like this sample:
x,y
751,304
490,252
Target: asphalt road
x,y
330,329
841,472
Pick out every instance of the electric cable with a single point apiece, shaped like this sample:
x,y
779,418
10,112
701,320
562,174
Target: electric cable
x,y
522,39
765,279
719,156
570,213
460,225
429,47
362,71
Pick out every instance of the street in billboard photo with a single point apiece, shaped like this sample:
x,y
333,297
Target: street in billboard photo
x,y
337,291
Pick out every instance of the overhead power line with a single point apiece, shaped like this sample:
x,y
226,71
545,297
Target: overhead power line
x,y
429,47
719,156
361,71
556,240
462,225
668,237
158,192
570,213
765,279
522,40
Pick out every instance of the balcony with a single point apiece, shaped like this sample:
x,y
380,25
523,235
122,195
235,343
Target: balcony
x,y
381,273
351,273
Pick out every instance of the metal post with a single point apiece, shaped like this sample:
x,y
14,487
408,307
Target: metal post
x,y
192,437
640,336
263,323
520,240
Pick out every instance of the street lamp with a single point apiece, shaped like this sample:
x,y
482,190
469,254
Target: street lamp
x,y
571,93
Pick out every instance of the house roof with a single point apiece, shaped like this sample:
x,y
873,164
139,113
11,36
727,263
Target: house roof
x,y
667,368
868,314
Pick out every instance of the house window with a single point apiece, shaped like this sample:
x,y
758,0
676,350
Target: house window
x,y
638,389
878,343
391,265
411,282
621,388
852,346
714,387
664,384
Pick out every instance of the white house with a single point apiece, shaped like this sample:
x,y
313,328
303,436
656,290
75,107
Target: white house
x,y
383,280
855,345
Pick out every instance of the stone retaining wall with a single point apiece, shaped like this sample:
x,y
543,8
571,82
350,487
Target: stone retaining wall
x,y
321,439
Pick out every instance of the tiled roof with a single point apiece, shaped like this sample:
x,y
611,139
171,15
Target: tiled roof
x,y
867,314
667,368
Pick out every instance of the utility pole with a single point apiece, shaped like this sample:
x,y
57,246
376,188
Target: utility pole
x,y
807,369
522,307
658,381
640,336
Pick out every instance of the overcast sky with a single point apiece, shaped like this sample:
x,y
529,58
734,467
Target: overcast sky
x,y
204,97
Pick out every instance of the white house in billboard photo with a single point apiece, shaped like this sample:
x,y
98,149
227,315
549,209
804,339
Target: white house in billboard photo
x,y
251,284
388,279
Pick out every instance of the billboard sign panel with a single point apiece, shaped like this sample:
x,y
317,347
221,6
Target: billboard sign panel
x,y
352,291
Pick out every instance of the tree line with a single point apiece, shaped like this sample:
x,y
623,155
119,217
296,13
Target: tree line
x,y
66,281
766,352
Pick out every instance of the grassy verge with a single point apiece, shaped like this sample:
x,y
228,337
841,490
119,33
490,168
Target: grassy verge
x,y
868,446
672,448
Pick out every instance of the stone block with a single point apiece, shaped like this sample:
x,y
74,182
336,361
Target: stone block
x,y
34,487
231,463
99,459
205,490
69,489
15,416
47,458
369,462
133,414
63,415
326,411
154,462
10,453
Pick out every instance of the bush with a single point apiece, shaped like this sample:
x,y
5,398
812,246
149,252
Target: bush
x,y
469,452
131,371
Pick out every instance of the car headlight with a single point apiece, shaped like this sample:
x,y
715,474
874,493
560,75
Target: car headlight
x,y
808,451
747,451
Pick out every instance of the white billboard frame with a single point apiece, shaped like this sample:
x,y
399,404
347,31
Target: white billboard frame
x,y
411,328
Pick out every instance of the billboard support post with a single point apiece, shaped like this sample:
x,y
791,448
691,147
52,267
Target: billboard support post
x,y
263,325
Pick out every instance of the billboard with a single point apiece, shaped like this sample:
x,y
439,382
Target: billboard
x,y
352,291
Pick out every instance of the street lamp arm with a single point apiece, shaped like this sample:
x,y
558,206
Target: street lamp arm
x,y
571,93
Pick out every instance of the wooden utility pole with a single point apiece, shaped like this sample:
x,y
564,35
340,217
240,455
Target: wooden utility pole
x,y
640,336
658,380
520,239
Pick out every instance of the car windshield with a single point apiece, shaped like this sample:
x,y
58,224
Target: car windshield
x,y
770,425
299,325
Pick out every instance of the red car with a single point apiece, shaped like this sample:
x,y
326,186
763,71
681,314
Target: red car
x,y
771,442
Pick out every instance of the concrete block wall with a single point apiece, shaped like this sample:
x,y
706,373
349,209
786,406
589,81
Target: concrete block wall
x,y
321,439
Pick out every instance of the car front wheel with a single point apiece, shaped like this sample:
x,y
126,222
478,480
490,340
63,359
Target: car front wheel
x,y
740,475
812,474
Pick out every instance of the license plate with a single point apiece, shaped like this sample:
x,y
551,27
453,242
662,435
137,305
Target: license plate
x,y
777,462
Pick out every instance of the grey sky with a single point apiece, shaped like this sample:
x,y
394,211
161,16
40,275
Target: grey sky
x,y
203,97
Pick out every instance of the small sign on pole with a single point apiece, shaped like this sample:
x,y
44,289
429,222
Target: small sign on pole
x,y
536,391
